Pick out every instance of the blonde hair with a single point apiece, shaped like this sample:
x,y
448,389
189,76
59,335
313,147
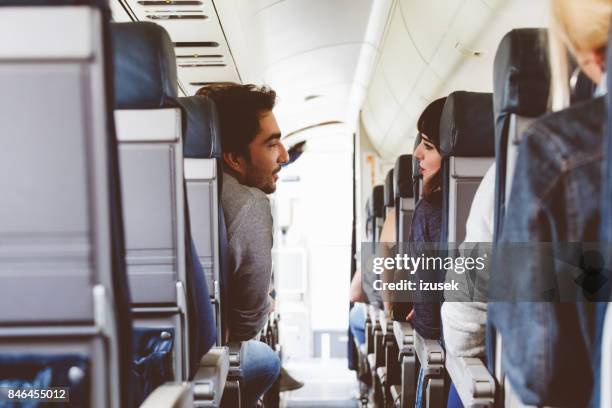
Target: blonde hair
x,y
576,25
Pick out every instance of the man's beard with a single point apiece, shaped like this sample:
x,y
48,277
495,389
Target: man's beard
x,y
264,183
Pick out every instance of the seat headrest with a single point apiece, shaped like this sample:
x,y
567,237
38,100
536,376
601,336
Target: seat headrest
x,y
466,126
378,202
202,138
402,174
389,195
145,66
521,73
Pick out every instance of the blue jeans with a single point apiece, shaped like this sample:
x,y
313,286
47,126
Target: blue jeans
x,y
260,366
454,401
357,323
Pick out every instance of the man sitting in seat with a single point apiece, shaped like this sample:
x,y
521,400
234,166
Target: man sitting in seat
x,y
252,157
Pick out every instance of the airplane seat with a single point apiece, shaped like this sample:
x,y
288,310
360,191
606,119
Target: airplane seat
x,y
378,210
374,332
402,379
467,148
202,152
149,125
416,175
521,88
404,194
204,179
64,313
388,195
368,220
375,212
521,76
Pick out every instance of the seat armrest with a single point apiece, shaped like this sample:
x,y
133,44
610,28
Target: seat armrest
x,y
209,380
396,394
236,354
373,313
371,359
430,354
474,383
404,334
383,321
381,373
170,395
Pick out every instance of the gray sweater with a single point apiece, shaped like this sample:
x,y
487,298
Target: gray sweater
x,y
249,231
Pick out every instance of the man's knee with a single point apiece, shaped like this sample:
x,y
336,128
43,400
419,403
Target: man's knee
x,y
261,360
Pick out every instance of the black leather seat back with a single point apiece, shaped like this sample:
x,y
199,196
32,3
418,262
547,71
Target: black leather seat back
x,y
521,90
467,148
389,195
404,196
378,210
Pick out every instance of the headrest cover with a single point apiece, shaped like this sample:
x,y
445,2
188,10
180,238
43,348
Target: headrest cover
x,y
521,73
202,138
389,196
402,175
378,202
466,128
145,66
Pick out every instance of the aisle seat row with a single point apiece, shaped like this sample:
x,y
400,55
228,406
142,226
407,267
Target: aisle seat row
x,y
469,138
81,188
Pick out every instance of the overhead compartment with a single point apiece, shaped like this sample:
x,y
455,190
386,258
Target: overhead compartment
x,y
202,52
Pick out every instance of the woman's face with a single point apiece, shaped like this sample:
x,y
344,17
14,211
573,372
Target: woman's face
x,y
429,158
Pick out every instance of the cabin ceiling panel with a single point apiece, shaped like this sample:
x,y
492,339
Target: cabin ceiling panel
x,y
427,22
400,61
287,28
399,132
370,125
383,103
293,115
460,42
319,69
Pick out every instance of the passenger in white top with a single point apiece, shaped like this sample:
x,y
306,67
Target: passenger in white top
x,y
464,323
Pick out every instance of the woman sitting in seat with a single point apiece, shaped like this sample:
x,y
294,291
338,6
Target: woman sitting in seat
x,y
427,219
426,224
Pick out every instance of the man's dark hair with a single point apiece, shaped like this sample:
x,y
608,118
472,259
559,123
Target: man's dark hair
x,y
240,108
